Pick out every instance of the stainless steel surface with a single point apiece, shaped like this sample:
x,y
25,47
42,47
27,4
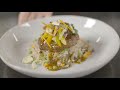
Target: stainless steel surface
x,y
111,70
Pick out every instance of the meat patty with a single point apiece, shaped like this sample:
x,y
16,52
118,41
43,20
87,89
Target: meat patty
x,y
71,41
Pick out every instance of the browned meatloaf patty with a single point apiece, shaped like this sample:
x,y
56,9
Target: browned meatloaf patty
x,y
71,41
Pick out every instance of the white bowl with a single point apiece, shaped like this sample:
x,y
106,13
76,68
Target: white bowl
x,y
103,38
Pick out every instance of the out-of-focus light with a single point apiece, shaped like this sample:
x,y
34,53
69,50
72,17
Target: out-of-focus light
x,y
90,23
15,37
25,25
98,40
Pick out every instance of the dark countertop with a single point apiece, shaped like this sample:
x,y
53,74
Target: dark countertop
x,y
111,70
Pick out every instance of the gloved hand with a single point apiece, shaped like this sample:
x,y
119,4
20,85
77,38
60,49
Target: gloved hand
x,y
27,16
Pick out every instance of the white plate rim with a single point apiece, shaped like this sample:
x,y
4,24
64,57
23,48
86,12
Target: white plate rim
x,y
74,74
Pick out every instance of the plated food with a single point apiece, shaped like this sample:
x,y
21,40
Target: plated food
x,y
59,47
16,41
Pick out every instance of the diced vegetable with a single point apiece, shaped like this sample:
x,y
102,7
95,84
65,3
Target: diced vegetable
x,y
87,54
62,65
78,61
55,67
50,68
34,64
33,46
46,64
27,60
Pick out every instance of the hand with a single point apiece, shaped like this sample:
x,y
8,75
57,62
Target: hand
x,y
27,16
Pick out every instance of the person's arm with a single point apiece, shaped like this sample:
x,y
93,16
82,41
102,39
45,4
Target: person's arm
x,y
27,16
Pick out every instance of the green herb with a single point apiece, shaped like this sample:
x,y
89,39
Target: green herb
x,y
30,52
76,31
79,54
65,50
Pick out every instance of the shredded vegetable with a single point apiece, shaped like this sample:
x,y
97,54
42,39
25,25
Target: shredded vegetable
x,y
55,30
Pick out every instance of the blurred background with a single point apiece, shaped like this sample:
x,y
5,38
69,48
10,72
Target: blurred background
x,y
111,70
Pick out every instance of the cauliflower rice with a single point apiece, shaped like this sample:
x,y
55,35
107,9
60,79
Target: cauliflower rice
x,y
58,60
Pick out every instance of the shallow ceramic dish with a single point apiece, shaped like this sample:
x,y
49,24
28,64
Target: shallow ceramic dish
x,y
102,37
